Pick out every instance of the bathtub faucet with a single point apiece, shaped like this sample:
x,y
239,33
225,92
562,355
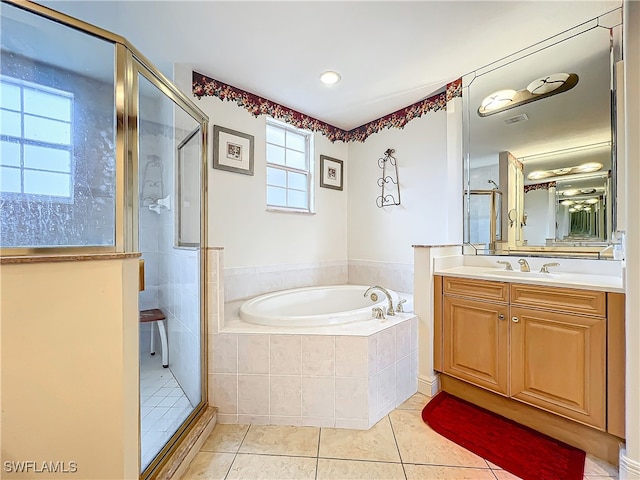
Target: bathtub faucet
x,y
388,295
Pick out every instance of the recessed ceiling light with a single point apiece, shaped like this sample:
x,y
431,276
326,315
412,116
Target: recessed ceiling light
x,y
592,201
330,78
569,193
567,202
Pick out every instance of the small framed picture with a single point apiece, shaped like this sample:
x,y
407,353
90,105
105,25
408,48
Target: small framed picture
x,y
330,172
232,150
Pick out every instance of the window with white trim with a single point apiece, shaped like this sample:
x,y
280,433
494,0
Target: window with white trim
x,y
36,156
289,167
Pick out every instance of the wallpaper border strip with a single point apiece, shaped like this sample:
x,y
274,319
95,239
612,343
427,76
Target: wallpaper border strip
x,y
539,186
203,86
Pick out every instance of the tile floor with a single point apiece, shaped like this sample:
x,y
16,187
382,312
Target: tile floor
x,y
400,447
163,406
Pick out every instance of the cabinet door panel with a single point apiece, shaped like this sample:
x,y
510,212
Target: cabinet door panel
x,y
483,290
558,363
476,342
570,300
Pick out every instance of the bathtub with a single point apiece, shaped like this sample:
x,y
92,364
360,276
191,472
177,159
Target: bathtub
x,y
313,306
313,356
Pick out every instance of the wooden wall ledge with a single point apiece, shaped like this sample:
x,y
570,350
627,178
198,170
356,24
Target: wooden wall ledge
x,y
66,258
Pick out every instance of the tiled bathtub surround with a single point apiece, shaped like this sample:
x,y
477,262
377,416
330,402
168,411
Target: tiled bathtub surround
x,y
244,282
343,381
396,276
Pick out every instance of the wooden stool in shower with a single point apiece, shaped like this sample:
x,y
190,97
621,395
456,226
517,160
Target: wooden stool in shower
x,y
156,316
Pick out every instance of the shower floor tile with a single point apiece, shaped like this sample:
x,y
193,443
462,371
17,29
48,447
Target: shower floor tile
x,y
163,406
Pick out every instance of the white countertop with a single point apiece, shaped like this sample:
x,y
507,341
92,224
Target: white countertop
x,y
604,283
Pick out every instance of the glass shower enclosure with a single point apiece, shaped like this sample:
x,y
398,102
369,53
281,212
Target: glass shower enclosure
x,y
101,153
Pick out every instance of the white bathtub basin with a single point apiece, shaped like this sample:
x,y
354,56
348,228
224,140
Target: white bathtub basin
x,y
313,306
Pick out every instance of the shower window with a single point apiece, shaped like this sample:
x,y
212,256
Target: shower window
x,y
288,167
37,149
57,138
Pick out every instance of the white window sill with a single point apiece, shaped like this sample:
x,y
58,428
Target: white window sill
x,y
289,210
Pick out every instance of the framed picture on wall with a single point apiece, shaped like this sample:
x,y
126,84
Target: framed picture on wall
x,y
330,172
232,150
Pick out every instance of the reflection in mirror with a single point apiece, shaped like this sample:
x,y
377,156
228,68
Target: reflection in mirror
x,y
538,125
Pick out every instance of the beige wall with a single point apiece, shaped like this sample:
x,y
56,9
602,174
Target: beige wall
x,y
238,216
70,367
386,234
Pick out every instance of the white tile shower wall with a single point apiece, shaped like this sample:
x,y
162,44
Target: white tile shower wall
x,y
148,238
179,300
396,276
215,289
244,282
316,380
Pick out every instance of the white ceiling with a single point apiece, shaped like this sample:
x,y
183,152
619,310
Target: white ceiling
x,y
390,54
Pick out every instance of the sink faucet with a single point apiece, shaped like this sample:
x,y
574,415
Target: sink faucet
x,y
545,267
524,265
390,311
507,265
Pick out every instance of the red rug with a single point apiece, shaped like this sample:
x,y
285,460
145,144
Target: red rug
x,y
518,449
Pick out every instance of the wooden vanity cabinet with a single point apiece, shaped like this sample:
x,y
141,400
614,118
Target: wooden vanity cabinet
x,y
558,363
544,346
476,341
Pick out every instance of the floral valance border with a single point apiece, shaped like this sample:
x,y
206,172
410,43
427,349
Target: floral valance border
x,y
539,186
203,86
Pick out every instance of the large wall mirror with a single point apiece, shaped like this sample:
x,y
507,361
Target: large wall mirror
x,y
539,146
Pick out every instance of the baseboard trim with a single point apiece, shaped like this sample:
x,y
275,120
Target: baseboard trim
x,y
429,386
629,469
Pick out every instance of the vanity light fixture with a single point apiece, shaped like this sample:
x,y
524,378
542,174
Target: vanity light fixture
x,y
572,210
588,167
567,202
330,77
498,100
540,88
584,168
592,201
539,175
570,193
547,84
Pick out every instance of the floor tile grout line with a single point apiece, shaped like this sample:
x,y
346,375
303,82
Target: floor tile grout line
x,y
393,432
360,460
318,452
448,465
276,455
237,451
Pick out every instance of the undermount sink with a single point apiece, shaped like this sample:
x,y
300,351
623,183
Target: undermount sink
x,y
518,274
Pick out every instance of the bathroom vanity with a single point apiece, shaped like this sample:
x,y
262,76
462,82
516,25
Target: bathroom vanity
x,y
542,342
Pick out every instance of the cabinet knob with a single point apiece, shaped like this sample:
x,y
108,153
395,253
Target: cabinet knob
x,y
515,319
501,316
